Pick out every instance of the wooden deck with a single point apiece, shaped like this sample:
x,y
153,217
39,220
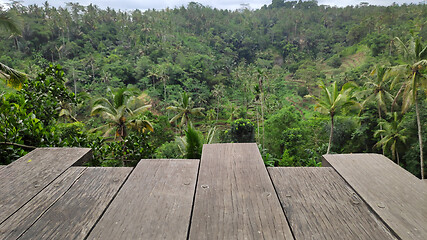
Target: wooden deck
x,y
398,197
228,194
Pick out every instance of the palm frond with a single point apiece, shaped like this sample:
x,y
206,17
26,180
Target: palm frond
x,y
13,77
141,109
176,117
101,109
10,22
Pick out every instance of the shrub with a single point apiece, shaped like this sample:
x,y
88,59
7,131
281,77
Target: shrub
x,y
242,131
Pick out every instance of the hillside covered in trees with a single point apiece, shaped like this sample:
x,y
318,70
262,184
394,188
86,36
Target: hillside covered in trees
x,y
158,84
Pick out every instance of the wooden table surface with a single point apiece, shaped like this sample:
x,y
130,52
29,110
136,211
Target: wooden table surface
x,y
227,194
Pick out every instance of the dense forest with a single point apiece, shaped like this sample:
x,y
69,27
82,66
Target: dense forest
x,y
300,79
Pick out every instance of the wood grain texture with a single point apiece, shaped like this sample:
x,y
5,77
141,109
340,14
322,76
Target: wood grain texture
x,y
76,212
235,198
27,176
320,205
154,203
19,222
398,197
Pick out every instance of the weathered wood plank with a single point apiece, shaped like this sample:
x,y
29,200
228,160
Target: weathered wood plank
x,y
320,205
75,213
19,222
27,176
154,203
235,198
398,197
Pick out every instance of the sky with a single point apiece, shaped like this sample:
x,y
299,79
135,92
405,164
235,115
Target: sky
x,y
222,4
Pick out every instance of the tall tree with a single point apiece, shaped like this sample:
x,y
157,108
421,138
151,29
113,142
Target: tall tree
x,y
184,109
414,79
394,134
377,91
11,23
118,112
333,101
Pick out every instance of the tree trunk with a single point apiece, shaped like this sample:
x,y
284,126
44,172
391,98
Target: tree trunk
x,y
397,157
420,139
332,133
257,120
164,88
75,87
217,110
262,118
381,126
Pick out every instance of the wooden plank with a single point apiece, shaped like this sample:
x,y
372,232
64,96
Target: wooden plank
x,y
398,197
27,176
320,205
76,212
26,216
155,202
235,198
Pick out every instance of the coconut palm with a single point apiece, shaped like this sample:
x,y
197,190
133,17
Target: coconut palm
x,y
13,77
118,113
377,91
333,101
415,55
394,135
10,22
184,109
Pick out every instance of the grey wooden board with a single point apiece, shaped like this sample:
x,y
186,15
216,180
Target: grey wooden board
x,y
19,222
319,204
154,203
235,198
27,176
76,212
398,197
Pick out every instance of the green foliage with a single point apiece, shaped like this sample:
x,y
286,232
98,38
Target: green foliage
x,y
119,112
47,88
276,128
289,160
333,101
218,63
335,61
394,135
378,43
194,143
169,150
242,131
185,110
24,120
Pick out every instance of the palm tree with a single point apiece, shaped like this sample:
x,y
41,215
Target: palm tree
x,y
184,110
10,22
394,135
415,55
13,77
159,73
376,90
118,113
332,101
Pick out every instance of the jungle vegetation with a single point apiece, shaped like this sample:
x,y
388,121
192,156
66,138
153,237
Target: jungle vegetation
x,y
299,78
